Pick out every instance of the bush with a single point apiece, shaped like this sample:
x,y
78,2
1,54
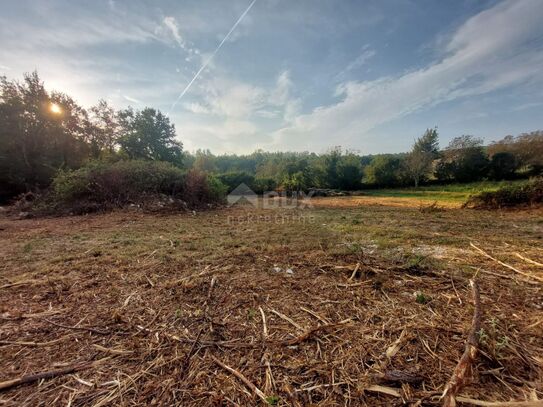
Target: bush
x,y
233,179
103,185
201,188
509,196
502,166
263,184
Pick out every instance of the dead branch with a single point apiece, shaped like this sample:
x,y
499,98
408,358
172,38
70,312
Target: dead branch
x,y
34,344
463,368
505,264
241,377
49,374
355,271
186,362
78,328
289,320
527,260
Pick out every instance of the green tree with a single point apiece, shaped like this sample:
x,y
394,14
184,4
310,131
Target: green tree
x,y
148,134
527,149
204,161
349,172
40,132
383,171
418,162
503,166
331,162
464,160
104,129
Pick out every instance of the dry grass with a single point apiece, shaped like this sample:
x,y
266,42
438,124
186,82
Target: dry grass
x,y
188,310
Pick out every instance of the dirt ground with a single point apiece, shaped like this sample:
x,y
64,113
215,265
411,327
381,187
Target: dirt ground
x,y
347,302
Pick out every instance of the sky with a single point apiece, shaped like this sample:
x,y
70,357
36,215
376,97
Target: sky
x,y
306,75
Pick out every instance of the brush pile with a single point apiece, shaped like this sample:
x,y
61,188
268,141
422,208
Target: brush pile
x,y
333,333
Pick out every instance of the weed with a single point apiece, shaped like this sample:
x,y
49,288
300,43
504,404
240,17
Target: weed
x,y
483,336
251,314
421,298
27,248
415,260
272,400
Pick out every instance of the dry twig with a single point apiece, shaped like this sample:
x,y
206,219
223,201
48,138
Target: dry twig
x,y
462,369
505,264
241,377
49,374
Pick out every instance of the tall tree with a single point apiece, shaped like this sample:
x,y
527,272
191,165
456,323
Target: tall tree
x,y
418,162
383,171
104,129
464,160
527,148
148,134
39,133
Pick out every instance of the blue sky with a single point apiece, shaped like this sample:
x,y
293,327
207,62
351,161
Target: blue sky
x,y
293,75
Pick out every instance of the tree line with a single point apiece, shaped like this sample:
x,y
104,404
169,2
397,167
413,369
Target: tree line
x,y
464,159
43,132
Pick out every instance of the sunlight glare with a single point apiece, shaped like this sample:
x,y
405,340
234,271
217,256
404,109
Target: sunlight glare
x,y
55,108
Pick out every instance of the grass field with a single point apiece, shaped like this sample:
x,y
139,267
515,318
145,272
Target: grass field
x,y
453,193
160,303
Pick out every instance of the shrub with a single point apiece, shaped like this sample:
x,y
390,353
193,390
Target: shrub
x,y
233,179
509,196
503,166
103,185
201,188
264,184
118,183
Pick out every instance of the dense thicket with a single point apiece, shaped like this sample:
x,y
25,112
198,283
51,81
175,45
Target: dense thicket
x,y
100,185
44,134
530,193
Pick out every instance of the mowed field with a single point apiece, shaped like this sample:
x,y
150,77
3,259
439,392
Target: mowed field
x,y
344,302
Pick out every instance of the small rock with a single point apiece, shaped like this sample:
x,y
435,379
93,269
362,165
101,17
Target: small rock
x,y
289,271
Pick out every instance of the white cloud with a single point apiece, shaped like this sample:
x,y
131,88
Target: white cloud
x,y
234,111
231,99
131,99
197,108
359,61
173,28
488,52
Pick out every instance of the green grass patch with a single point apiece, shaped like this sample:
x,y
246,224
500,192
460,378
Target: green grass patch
x,y
447,193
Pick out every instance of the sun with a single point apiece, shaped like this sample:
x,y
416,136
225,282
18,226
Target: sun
x,y
55,108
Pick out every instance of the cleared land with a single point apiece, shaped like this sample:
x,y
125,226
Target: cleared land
x,y
164,303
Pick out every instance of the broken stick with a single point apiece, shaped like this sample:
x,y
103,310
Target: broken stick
x,y
463,368
506,265
8,384
241,377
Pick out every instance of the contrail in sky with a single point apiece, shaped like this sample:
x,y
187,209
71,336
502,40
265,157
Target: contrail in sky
x,y
211,57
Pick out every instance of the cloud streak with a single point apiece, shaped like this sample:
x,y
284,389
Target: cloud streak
x,y
210,58
482,56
